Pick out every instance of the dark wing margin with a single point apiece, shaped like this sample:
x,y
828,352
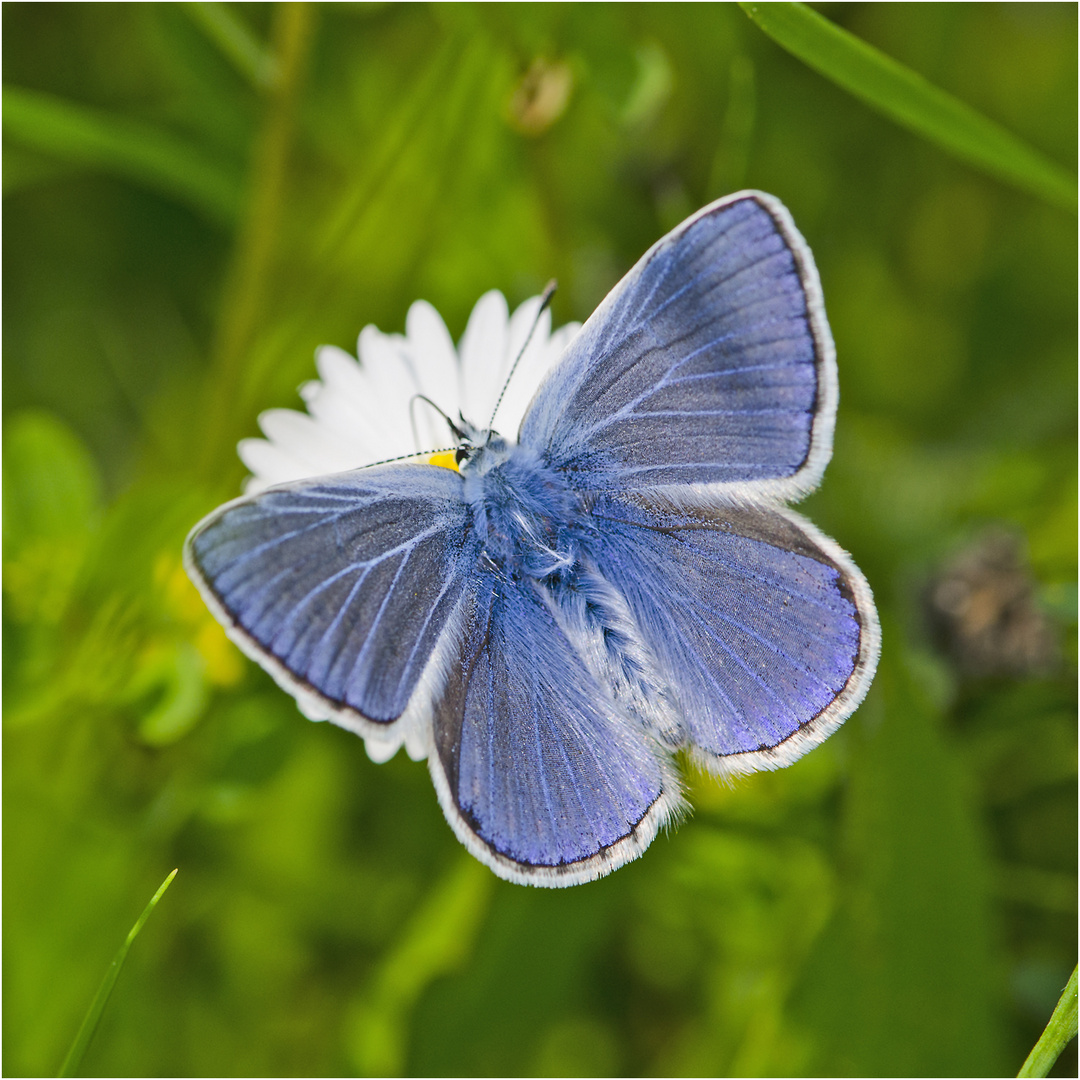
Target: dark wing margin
x,y
539,775
342,587
709,368
764,628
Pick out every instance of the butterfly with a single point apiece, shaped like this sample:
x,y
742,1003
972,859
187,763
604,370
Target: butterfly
x,y
552,620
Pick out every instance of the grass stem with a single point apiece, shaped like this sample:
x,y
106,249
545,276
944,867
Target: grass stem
x,y
1059,1031
253,259
93,1015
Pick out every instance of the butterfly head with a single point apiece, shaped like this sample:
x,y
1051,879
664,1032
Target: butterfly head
x,y
479,450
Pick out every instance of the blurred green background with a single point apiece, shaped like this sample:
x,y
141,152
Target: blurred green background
x,y
196,196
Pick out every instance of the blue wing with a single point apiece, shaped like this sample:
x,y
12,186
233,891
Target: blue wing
x,y
341,586
764,629
540,775
710,364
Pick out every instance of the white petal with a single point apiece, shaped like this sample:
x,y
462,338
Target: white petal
x,y
484,359
521,322
295,433
268,464
351,427
305,441
393,384
348,406
361,412
436,365
341,374
561,338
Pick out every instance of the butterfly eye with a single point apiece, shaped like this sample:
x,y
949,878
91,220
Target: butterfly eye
x,y
460,454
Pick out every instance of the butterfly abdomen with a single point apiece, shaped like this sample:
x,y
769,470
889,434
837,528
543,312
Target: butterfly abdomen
x,y
596,619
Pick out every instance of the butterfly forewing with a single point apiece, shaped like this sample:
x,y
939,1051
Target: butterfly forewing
x,y
709,367
341,586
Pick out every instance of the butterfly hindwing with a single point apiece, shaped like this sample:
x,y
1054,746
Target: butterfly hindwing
x,y
539,773
341,586
709,367
764,629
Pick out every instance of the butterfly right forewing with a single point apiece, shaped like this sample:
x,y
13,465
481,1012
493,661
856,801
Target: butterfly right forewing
x,y
708,371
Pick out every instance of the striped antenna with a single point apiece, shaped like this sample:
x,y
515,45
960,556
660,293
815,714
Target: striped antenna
x,y
545,300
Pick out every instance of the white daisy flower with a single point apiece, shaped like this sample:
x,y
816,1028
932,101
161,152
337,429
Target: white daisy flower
x,y
367,411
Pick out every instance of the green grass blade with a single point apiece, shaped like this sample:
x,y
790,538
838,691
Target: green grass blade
x,y
1058,1033
236,42
906,97
121,146
97,1006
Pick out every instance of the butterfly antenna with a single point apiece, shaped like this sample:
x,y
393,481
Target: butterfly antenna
x,y
458,433
545,301
406,457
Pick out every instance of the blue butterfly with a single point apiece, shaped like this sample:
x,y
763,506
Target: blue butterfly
x,y
556,618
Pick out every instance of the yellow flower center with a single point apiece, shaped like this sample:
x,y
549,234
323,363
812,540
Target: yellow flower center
x,y
446,460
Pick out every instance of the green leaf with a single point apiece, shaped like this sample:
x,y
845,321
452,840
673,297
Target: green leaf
x,y
436,940
1059,1032
906,97
51,486
97,1006
901,980
52,496
123,147
180,678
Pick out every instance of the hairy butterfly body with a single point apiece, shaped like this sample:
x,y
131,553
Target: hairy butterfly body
x,y
550,622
